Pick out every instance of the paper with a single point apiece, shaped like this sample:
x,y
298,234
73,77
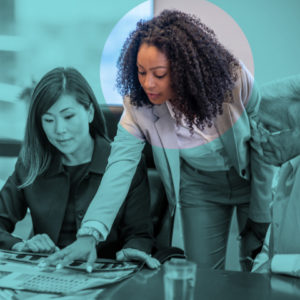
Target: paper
x,y
20,272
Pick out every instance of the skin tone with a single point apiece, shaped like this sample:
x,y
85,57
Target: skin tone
x,y
154,73
66,125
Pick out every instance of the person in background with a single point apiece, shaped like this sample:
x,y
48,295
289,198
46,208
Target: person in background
x,y
192,100
277,139
58,172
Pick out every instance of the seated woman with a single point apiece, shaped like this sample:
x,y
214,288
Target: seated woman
x,y
59,170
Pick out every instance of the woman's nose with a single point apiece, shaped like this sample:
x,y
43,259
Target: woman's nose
x,y
149,82
60,127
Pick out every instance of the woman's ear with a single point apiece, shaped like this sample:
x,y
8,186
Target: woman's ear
x,y
91,113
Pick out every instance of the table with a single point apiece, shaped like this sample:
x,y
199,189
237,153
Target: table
x,y
210,284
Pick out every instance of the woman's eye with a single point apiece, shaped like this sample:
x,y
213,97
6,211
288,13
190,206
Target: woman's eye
x,y
141,73
48,120
160,76
69,117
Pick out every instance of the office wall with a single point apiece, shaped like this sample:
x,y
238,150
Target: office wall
x,y
271,29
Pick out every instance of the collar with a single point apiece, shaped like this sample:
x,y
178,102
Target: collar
x,y
170,109
160,110
98,162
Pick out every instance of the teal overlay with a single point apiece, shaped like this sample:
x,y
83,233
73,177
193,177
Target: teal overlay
x,y
272,28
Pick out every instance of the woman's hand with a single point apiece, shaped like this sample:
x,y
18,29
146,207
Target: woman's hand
x,y
41,243
84,248
129,254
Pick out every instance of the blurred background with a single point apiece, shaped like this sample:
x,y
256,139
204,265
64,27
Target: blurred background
x,y
36,36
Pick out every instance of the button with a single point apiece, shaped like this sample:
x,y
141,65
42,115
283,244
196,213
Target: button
x,y
243,172
80,215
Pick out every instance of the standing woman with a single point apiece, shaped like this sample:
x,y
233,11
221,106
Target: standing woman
x,y
192,100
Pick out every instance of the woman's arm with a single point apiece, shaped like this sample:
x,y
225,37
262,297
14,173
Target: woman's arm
x,y
124,157
136,228
12,209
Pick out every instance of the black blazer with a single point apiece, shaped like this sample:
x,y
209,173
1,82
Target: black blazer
x,y
47,200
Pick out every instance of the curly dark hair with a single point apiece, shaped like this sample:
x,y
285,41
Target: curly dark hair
x,y
203,72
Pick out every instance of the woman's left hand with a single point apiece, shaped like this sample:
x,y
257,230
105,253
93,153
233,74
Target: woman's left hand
x,y
84,248
129,254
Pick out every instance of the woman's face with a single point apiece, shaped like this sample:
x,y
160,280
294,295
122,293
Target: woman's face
x,y
154,74
66,125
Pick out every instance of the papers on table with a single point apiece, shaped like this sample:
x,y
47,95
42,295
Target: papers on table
x,y
20,272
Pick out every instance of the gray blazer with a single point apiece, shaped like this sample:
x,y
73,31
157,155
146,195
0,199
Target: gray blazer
x,y
155,125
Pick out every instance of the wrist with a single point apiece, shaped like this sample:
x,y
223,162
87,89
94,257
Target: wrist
x,y
90,232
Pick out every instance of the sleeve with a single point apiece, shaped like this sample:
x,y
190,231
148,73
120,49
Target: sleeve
x,y
262,260
126,150
262,174
12,209
136,227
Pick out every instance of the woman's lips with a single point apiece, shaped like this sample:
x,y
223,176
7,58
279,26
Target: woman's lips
x,y
64,141
153,96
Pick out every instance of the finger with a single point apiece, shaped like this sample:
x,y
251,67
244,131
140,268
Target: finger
x,y
134,254
55,258
41,242
152,262
48,242
120,256
91,260
32,246
67,260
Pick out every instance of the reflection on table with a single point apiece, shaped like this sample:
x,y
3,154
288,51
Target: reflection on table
x,y
210,284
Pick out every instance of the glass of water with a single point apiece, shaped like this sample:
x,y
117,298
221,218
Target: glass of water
x,y
179,279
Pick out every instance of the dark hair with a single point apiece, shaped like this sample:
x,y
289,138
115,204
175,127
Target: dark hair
x,y
203,72
37,152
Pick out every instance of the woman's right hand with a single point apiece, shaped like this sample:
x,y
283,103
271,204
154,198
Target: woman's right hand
x,y
40,243
84,248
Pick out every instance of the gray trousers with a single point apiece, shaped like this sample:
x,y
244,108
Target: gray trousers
x,y
207,200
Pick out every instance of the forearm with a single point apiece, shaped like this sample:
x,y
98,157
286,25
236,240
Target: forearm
x,y
13,208
124,158
7,240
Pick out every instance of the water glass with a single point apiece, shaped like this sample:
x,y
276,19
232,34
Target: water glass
x,y
179,279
